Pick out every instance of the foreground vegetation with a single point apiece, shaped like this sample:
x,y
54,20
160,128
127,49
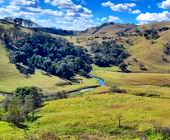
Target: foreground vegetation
x,y
98,116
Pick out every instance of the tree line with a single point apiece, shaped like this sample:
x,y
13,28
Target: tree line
x,y
21,22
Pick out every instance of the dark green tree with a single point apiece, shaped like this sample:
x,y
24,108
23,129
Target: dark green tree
x,y
33,92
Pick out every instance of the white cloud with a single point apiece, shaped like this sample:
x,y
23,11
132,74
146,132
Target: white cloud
x,y
103,19
136,11
165,4
153,17
110,19
121,7
67,15
1,1
62,3
113,19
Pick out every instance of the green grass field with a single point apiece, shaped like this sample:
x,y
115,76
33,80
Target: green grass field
x,y
95,116
149,84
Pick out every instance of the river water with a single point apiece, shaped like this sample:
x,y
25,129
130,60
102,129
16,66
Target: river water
x,y
101,83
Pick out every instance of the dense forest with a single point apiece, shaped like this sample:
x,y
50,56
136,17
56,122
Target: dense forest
x,y
54,55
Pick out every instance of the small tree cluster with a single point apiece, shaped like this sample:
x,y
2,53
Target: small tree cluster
x,y
21,22
151,34
108,53
24,102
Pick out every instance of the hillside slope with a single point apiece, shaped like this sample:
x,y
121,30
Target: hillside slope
x,y
11,78
148,53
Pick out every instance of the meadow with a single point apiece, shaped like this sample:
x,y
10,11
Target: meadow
x,y
142,84
96,117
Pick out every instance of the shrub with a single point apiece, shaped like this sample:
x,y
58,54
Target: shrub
x,y
167,48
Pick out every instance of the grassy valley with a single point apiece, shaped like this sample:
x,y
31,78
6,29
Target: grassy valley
x,y
133,103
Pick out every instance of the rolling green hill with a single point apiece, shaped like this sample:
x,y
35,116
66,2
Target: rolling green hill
x,y
142,108
150,53
11,78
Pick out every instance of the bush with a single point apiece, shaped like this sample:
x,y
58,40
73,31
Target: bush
x,y
14,114
116,89
151,34
167,48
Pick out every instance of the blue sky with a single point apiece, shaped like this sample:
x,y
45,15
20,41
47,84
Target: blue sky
x,y
81,14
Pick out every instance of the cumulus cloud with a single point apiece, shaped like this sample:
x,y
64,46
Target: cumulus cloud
x,y
65,14
153,17
121,7
1,1
113,19
165,4
136,11
110,19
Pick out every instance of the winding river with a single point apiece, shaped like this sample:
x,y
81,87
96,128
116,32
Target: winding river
x,y
101,83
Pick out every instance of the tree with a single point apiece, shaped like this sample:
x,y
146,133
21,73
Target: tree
x,y
167,48
14,114
24,102
18,57
108,53
123,67
34,94
6,103
64,71
28,107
